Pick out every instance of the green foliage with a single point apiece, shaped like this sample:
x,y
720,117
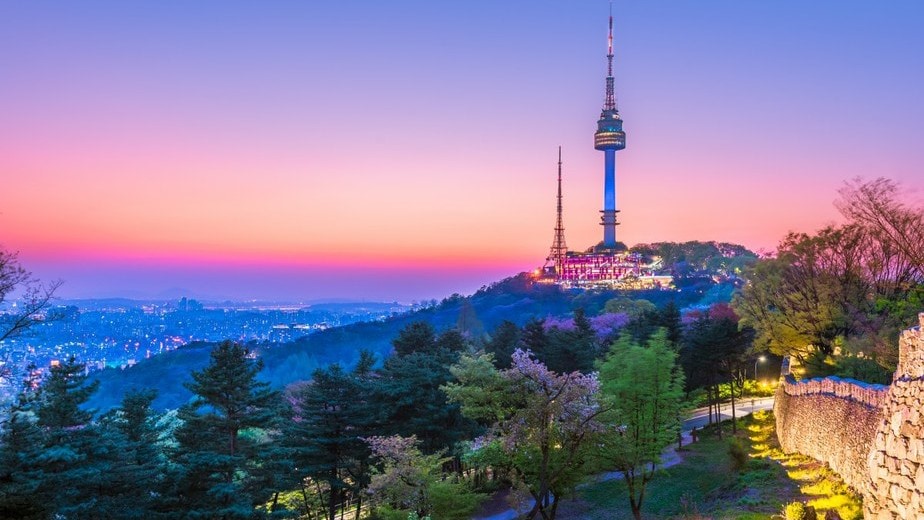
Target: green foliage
x,y
418,336
453,500
413,482
544,423
714,350
566,351
481,388
21,478
646,324
861,369
850,285
643,386
411,402
217,470
132,434
632,307
330,416
738,453
503,342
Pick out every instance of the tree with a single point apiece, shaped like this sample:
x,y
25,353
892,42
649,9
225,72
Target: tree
x,y
845,286
503,342
132,439
649,320
717,350
73,450
330,416
643,388
218,449
20,473
413,404
418,336
34,297
877,205
413,482
470,325
573,349
543,425
534,338
452,340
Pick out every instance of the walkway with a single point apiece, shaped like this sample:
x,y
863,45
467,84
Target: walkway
x,y
497,508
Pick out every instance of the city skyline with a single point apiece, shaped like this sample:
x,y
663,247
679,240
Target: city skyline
x,y
409,150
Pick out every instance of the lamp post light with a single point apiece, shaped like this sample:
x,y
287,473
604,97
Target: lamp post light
x,y
761,359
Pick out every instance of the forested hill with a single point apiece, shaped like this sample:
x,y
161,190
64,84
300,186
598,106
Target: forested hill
x,y
514,299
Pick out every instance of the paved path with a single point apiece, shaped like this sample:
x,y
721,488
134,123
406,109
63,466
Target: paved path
x,y
497,508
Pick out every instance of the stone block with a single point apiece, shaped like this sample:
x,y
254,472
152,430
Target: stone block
x,y
916,449
895,423
884,514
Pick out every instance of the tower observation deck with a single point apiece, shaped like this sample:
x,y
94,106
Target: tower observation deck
x,y
609,138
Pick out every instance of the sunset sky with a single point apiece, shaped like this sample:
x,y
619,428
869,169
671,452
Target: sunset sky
x,y
406,149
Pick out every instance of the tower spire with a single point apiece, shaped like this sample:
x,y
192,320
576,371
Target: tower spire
x,y
559,249
610,102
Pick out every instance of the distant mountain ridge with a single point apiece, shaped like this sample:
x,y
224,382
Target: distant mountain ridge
x,y
516,299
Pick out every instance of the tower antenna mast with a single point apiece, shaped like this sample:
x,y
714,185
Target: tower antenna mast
x,y
559,249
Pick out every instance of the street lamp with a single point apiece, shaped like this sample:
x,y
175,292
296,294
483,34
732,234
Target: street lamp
x,y
761,359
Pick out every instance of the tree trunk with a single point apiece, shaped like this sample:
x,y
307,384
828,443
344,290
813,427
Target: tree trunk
x,y
709,401
332,501
731,388
718,404
305,499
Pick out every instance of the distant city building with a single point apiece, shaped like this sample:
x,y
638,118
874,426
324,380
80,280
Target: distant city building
x,y
608,264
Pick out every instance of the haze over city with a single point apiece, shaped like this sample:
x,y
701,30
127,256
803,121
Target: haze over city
x,y
408,150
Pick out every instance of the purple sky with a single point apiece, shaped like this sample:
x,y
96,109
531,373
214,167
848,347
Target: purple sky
x,y
406,150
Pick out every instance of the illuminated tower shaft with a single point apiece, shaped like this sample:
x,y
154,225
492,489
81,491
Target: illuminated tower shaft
x,y
609,137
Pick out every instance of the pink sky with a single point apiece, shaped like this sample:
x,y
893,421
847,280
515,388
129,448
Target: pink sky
x,y
322,150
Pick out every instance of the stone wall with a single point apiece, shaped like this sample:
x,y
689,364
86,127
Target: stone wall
x,y
871,435
896,460
836,429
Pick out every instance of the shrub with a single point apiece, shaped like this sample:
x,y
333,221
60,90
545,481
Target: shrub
x,y
799,511
738,454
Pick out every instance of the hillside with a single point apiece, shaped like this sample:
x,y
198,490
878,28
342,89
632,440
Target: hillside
x,y
514,299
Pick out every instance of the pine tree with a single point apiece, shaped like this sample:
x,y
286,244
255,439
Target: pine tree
x,y
572,350
73,451
534,338
413,403
503,342
330,419
20,476
418,336
218,449
131,437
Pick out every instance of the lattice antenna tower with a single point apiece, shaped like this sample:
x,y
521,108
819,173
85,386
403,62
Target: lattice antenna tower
x,y
559,248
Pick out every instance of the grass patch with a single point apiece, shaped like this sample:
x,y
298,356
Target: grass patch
x,y
706,486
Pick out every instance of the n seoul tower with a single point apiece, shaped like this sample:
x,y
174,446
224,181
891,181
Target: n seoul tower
x,y
609,137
